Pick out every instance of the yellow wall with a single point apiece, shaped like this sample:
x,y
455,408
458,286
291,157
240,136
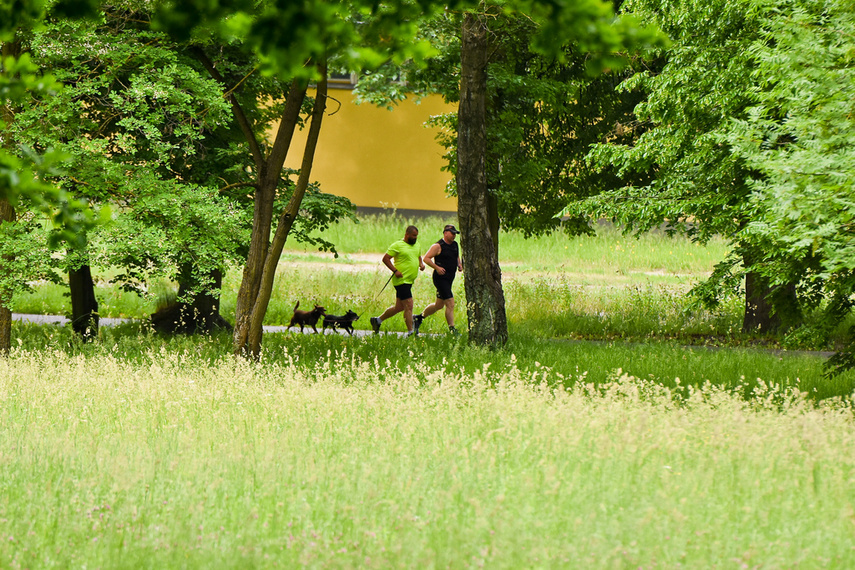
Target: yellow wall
x,y
379,158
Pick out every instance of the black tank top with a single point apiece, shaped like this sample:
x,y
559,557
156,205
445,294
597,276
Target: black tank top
x,y
447,258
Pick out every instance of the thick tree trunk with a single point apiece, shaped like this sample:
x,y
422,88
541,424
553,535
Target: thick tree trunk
x,y
485,300
202,314
759,315
768,308
206,304
286,220
84,305
7,215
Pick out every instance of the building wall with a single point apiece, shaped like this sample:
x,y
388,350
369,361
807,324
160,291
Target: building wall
x,y
379,158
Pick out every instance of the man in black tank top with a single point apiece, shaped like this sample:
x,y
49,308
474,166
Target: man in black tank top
x,y
444,257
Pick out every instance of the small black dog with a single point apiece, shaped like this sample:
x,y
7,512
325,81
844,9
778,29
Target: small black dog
x,y
345,321
307,318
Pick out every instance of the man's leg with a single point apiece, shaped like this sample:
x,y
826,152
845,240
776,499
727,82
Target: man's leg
x,y
449,312
393,310
431,309
407,307
390,312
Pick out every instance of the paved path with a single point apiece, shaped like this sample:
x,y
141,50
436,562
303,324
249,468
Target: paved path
x,y
110,322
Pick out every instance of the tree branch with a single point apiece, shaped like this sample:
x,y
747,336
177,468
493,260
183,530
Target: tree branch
x,y
287,125
237,185
245,126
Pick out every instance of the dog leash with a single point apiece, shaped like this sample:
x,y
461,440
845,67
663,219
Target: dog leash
x,y
389,280
380,291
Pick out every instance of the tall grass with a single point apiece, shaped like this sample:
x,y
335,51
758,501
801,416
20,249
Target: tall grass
x,y
180,462
145,451
566,361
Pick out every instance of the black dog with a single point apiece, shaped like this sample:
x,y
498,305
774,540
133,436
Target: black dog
x,y
307,318
345,321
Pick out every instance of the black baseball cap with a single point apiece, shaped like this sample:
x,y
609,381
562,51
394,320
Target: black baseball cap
x,y
450,228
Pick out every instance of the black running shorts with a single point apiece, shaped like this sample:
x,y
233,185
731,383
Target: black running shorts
x,y
404,291
443,286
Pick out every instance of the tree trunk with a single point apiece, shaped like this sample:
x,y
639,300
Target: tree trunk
x,y
268,181
201,314
84,305
759,316
269,174
485,300
7,215
206,304
286,220
768,308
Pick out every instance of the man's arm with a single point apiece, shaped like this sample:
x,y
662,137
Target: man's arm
x,y
387,261
428,259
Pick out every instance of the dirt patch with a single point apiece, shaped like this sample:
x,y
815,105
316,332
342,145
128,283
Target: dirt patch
x,y
346,262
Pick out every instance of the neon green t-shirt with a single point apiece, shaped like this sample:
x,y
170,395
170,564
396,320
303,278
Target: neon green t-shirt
x,y
406,258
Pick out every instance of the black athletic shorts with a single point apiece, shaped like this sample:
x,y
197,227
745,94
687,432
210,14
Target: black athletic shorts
x,y
404,291
443,286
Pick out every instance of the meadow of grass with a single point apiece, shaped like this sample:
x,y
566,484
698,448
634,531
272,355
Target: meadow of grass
x,y
141,450
121,458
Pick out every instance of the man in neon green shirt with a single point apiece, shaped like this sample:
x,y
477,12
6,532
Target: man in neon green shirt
x,y
404,260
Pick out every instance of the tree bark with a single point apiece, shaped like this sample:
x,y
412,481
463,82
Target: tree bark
x,y
202,314
84,305
768,308
7,215
269,174
286,220
485,300
206,304
268,180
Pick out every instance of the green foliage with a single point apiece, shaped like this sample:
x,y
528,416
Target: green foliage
x,y
318,211
23,174
704,83
688,177
548,101
285,36
134,112
798,135
165,231
16,14
26,256
131,101
23,246
797,139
